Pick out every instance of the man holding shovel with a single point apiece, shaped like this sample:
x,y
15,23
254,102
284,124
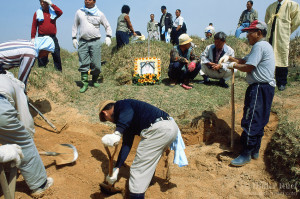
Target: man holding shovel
x,y
259,65
17,128
157,130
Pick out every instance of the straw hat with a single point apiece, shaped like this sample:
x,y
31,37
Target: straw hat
x,y
101,106
184,39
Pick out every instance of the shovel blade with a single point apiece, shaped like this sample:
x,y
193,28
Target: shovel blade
x,y
109,189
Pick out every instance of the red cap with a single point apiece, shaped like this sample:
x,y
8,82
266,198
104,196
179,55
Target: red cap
x,y
256,25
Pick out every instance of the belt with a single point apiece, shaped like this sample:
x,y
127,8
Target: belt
x,y
161,119
42,35
94,39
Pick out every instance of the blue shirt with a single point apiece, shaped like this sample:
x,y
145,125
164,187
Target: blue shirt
x,y
131,117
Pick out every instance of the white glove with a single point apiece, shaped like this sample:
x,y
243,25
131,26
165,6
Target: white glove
x,y
11,152
32,40
169,30
224,59
231,65
112,179
75,43
48,1
107,41
112,139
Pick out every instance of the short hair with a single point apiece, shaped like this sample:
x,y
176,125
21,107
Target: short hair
x,y
220,36
250,2
264,32
151,14
163,8
210,24
125,9
179,10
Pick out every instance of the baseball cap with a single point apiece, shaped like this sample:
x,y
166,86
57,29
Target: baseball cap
x,y
256,25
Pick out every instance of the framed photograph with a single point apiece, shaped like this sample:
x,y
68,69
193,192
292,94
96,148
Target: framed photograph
x,y
146,71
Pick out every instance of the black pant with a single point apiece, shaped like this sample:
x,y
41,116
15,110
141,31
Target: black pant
x,y
178,71
56,55
281,75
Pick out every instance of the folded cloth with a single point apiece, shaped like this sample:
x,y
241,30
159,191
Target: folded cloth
x,y
91,11
179,154
44,43
40,14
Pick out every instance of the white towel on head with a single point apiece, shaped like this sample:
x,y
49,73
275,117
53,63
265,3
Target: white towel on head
x,y
179,154
40,14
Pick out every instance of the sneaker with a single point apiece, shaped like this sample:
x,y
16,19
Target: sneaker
x,y
40,191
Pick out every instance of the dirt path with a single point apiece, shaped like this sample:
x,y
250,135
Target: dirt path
x,y
207,176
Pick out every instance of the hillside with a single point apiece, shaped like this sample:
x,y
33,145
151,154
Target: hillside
x,y
203,114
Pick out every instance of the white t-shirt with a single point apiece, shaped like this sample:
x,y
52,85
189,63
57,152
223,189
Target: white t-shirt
x,y
178,21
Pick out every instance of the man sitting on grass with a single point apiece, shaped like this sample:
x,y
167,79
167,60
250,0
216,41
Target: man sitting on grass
x,y
184,64
211,59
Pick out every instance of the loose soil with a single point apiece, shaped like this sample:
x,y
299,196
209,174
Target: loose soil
x,y
208,174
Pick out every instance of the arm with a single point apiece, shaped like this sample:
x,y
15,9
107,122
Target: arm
x,y
126,147
129,25
267,17
241,19
34,26
106,25
174,56
244,67
148,27
75,26
180,24
58,11
237,60
255,15
295,17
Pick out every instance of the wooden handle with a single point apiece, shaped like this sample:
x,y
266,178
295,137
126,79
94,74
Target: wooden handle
x,y
232,109
110,159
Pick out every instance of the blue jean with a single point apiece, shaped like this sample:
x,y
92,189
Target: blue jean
x,y
239,29
257,108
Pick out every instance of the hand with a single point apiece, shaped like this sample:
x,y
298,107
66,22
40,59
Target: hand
x,y
112,139
107,41
11,152
216,66
192,66
32,40
113,178
48,1
231,65
169,30
224,59
134,34
75,43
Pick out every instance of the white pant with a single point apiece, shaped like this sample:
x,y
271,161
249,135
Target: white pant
x,y
12,131
154,141
214,74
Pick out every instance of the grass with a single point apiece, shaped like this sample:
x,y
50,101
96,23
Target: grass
x,y
63,88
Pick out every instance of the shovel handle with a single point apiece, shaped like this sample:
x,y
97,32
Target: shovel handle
x,y
232,110
110,159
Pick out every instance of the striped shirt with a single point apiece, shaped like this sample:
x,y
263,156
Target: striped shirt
x,y
20,53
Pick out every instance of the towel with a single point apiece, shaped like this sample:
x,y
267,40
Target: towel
x,y
40,14
91,11
44,43
179,154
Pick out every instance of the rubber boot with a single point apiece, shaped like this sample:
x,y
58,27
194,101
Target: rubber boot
x,y
84,80
241,160
94,81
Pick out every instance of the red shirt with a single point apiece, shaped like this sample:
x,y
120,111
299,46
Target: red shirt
x,y
48,26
